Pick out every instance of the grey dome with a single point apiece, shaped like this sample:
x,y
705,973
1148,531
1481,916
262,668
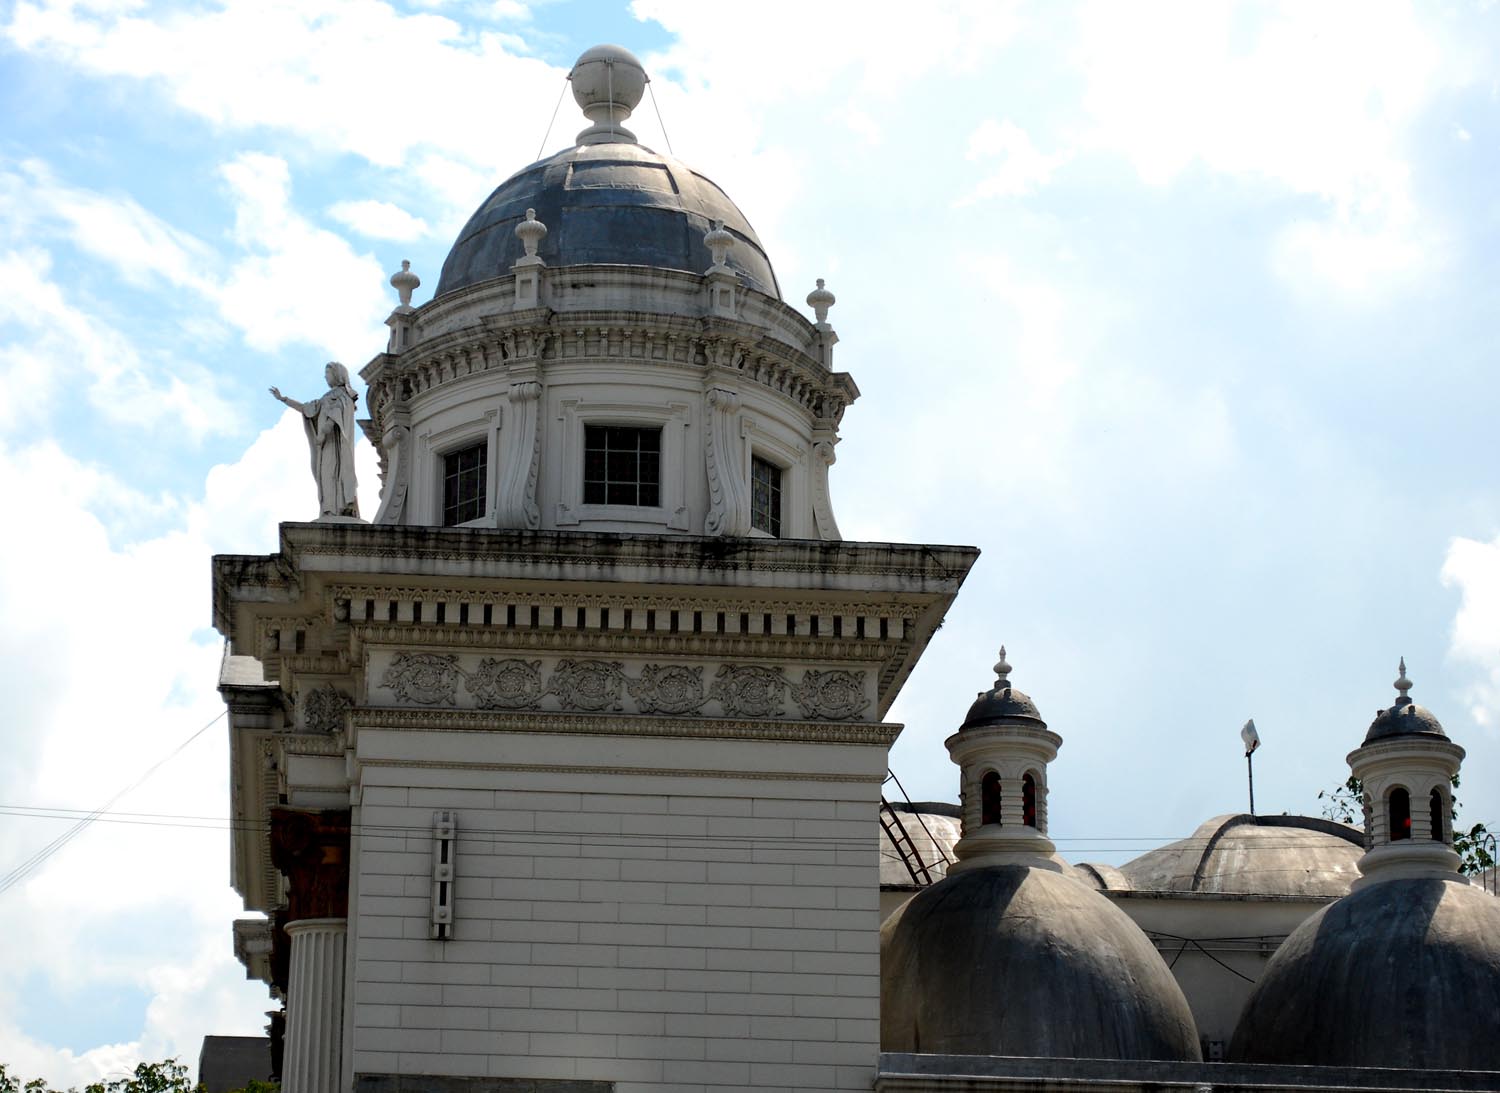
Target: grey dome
x,y
1012,960
1254,855
614,203
1403,973
1404,719
1002,703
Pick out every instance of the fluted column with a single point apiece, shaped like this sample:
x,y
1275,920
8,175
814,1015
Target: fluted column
x,y
315,1006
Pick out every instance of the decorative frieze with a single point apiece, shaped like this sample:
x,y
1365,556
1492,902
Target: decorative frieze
x,y
749,690
591,685
323,709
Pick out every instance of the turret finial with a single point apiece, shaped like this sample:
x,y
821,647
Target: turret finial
x,y
531,232
1002,671
1403,685
820,300
405,282
719,242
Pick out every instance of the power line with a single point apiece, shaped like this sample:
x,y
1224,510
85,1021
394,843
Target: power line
x,y
31,864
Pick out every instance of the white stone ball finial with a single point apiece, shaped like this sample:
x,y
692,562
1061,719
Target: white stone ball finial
x,y
608,83
1002,671
820,300
1402,684
405,282
719,243
531,232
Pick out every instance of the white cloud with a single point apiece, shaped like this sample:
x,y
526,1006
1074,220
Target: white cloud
x,y
42,330
1473,568
298,282
379,220
362,77
1023,169
1315,99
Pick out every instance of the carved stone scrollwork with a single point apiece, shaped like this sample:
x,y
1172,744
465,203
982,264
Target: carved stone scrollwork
x,y
426,678
587,684
509,684
835,695
728,498
395,482
672,688
749,690
323,709
516,505
823,458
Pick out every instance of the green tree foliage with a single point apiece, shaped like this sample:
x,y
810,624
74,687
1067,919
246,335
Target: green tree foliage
x,y
169,1076
1345,803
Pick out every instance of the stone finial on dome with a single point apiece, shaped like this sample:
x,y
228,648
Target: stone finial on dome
x,y
1402,685
531,232
1002,666
405,282
719,243
820,300
608,83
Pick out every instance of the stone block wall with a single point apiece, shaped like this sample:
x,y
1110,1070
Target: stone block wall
x,y
660,912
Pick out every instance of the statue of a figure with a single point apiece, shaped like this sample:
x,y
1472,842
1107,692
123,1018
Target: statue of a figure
x,y
329,423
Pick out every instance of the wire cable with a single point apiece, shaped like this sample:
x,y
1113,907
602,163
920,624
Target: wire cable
x,y
31,864
540,148
658,118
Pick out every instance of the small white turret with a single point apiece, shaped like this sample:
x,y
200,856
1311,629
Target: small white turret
x,y
1002,750
1406,766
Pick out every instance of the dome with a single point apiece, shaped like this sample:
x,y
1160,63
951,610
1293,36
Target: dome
x,y
1012,960
1404,973
1299,856
1002,702
1405,718
610,203
933,828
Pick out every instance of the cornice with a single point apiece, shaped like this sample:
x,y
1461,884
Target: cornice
x,y
861,734
633,772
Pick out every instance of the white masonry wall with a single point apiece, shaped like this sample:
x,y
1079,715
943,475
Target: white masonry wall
x,y
717,926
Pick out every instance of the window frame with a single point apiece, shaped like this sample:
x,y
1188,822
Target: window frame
x,y
480,445
673,419
778,518
637,483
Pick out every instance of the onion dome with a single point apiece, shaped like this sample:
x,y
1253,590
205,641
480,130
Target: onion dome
x,y
1405,717
1002,702
1015,960
607,200
1405,973
1298,856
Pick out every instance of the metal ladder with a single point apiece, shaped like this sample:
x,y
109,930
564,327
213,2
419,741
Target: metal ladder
x,y
895,830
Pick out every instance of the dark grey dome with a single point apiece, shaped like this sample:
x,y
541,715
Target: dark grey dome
x,y
1403,973
1403,719
614,203
1003,703
1012,960
1254,855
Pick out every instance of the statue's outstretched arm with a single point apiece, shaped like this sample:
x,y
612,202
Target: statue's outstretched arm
x,y
293,403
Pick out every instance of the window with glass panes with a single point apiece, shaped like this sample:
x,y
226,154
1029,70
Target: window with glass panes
x,y
621,466
464,484
765,496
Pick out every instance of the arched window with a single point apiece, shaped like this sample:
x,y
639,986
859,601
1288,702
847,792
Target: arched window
x,y
1400,812
1028,800
1439,828
989,798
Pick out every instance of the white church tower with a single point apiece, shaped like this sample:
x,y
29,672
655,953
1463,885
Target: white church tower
x,y
565,768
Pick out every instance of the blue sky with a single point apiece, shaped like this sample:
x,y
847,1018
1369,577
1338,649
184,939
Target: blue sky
x,y
1182,313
